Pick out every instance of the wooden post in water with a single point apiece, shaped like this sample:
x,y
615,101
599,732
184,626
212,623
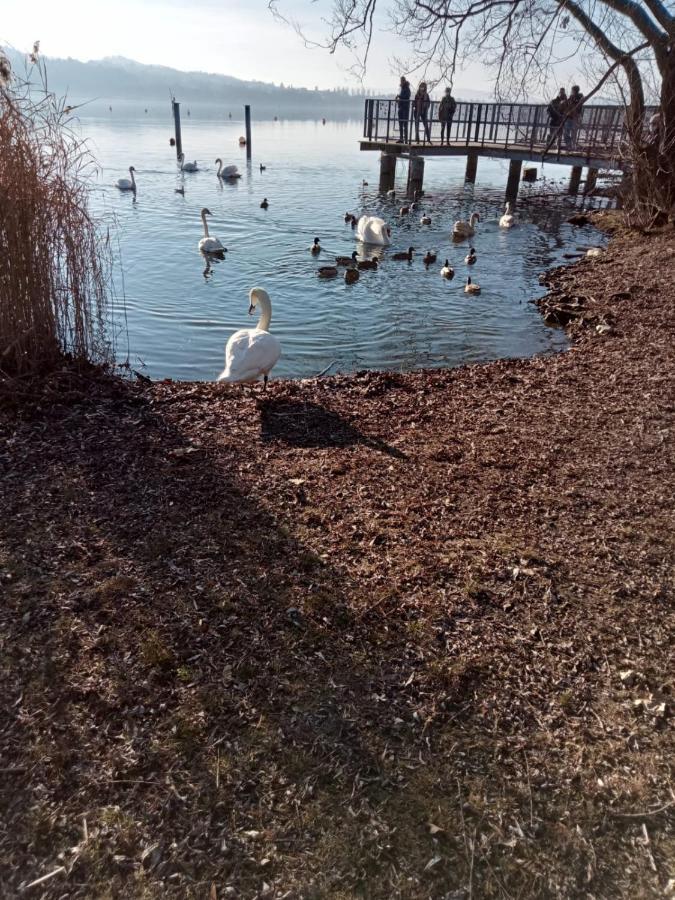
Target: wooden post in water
x,y
247,119
575,180
175,105
591,180
471,166
415,176
387,171
513,182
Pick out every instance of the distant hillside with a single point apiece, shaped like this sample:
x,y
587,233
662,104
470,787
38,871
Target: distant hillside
x,y
116,80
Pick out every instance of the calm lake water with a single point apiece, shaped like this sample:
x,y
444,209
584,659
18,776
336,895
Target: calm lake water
x,y
180,313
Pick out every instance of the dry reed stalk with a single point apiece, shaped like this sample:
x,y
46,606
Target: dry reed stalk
x,y
55,274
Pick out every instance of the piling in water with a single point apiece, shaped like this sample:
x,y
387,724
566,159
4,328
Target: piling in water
x,y
175,105
247,118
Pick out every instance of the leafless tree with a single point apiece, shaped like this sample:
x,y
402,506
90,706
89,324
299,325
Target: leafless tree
x,y
630,43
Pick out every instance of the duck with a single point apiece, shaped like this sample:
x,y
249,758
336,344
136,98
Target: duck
x,y
373,230
425,220
127,184
508,219
462,230
189,166
429,258
447,271
264,204
368,263
404,210
391,193
262,168
180,190
470,287
364,184
470,257
252,352
351,275
316,247
348,217
209,244
327,272
346,260
226,172
406,255
353,221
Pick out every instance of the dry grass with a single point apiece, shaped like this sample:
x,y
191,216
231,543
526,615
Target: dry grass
x,y
54,264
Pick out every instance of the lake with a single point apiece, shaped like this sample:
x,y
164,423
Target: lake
x,y
180,311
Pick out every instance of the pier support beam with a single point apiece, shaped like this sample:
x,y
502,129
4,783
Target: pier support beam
x,y
247,120
591,180
415,176
515,167
387,171
575,180
471,166
175,105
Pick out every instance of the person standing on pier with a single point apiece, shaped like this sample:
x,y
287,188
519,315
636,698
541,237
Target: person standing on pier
x,y
403,98
446,112
556,113
422,104
573,118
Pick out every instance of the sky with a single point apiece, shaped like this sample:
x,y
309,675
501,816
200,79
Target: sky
x,y
231,37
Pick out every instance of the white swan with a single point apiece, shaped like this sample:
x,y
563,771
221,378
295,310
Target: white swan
x,y
227,171
252,352
126,184
187,167
461,229
209,244
508,220
373,230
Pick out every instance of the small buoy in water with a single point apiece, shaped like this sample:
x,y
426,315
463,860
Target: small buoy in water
x,y
242,141
323,121
172,142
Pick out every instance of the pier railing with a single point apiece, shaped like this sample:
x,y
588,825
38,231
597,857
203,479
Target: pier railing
x,y
599,133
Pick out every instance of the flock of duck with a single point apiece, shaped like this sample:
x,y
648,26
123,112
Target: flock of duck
x,y
251,353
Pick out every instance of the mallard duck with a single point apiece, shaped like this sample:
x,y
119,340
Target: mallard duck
x,y
470,287
425,220
264,204
507,220
316,247
405,256
348,217
351,275
462,230
470,257
447,271
369,263
429,258
346,260
353,220
327,272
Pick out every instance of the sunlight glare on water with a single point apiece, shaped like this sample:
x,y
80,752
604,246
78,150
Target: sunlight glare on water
x,y
403,316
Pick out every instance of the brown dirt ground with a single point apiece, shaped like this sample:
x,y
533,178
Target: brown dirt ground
x,y
375,636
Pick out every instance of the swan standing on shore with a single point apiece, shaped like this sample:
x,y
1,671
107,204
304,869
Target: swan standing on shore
x,y
462,230
126,184
187,167
227,171
209,244
252,352
508,219
373,230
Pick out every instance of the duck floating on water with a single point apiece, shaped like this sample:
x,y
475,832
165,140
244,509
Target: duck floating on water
x,y
429,258
264,204
407,255
470,287
368,263
470,257
447,271
316,246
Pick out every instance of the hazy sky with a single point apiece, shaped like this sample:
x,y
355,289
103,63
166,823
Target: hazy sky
x,y
232,37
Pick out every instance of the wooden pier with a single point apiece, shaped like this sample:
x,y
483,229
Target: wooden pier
x,y
519,132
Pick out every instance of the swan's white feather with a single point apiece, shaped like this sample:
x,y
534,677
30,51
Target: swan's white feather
x,y
250,353
210,245
372,230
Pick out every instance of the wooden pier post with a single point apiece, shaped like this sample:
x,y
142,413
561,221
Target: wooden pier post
x,y
175,105
247,119
415,176
575,180
387,171
591,180
513,182
471,166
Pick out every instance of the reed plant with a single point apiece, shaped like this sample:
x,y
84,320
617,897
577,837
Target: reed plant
x,y
55,264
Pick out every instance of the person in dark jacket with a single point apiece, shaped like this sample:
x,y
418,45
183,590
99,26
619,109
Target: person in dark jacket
x,y
403,110
573,112
421,106
446,112
556,113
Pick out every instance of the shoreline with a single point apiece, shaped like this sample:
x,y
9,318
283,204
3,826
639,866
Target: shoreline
x,y
400,635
